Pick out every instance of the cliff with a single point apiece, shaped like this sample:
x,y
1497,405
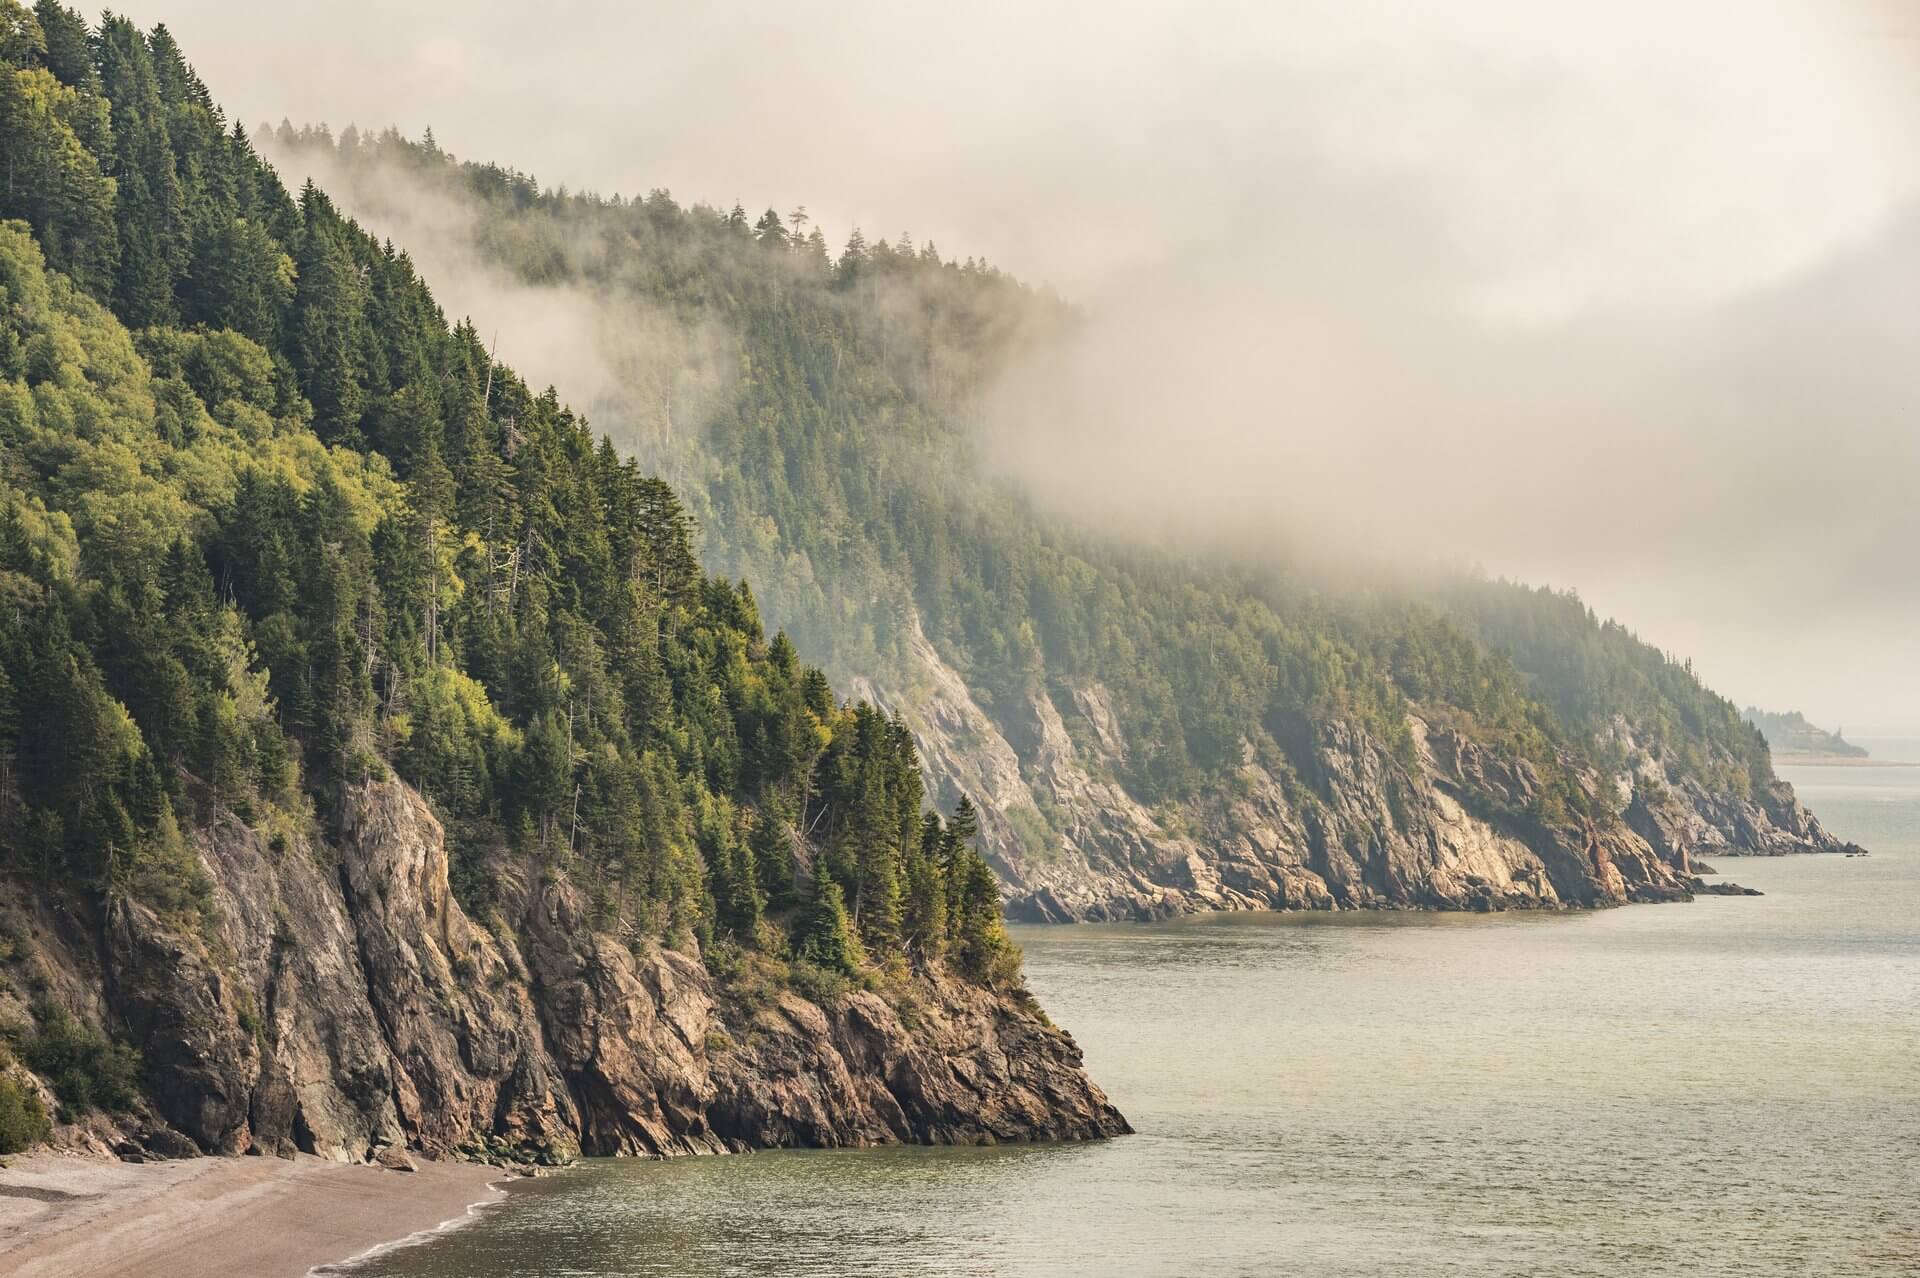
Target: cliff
x,y
269,529
1680,818
339,1001
1110,704
1344,823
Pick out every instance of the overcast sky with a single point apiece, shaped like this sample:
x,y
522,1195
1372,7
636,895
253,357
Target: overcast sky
x,y
1623,297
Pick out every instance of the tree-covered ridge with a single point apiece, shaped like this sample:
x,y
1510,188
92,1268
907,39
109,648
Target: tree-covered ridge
x,y
1791,733
269,524
834,468
1591,671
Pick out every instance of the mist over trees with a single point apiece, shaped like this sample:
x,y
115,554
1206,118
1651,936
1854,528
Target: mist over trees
x,y
274,525
270,525
838,466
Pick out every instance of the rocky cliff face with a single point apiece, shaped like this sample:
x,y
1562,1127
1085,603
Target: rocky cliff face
x,y
1681,819
1351,826
339,1001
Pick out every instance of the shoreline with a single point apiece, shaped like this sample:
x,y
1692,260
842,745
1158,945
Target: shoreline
x,y
1839,761
64,1216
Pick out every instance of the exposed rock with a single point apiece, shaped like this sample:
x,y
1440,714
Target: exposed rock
x,y
164,1142
463,1033
976,1069
339,1001
1724,889
327,1080
394,1158
1342,823
184,1014
1354,827
1105,856
1681,819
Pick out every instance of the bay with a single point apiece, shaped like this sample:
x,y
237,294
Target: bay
x,y
1730,1086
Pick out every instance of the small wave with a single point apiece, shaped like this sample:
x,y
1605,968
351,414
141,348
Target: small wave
x,y
352,1264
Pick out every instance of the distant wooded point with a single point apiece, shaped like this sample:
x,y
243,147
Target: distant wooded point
x,y
1790,733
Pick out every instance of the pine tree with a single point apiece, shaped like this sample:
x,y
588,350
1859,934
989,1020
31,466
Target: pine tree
x,y
925,908
329,339
152,217
49,172
771,232
826,936
853,260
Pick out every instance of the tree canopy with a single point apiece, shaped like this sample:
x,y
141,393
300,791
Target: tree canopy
x,y
271,525
831,464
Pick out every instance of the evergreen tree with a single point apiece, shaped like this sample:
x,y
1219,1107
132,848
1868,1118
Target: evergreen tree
x,y
771,232
52,174
826,936
329,337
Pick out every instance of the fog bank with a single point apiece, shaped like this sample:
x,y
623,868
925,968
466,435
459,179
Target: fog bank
x,y
1620,297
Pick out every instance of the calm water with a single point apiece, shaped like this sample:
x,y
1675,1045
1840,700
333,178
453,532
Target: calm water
x,y
1727,1087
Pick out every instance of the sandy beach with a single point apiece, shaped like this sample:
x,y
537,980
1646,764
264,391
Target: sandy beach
x,y
66,1217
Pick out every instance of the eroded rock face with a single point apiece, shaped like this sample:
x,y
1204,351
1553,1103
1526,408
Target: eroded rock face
x,y
339,1001
463,1033
973,1069
1681,820
185,1015
327,1075
1352,825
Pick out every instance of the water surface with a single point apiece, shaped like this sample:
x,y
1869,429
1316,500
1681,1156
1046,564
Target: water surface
x,y
1730,1086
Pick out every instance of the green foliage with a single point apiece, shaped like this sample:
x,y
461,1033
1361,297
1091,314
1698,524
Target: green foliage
x,y
834,469
86,1069
1590,671
826,937
976,934
23,1121
48,174
269,525
820,984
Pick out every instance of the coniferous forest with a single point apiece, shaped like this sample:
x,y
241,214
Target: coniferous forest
x,y
835,466
505,674
273,526
269,524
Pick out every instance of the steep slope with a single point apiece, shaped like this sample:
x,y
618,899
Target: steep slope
x,y
1340,822
1144,731
377,765
1694,775
339,1009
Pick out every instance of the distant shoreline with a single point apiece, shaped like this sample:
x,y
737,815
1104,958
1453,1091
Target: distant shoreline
x,y
1840,761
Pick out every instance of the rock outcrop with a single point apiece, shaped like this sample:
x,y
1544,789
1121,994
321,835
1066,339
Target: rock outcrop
x,y
1343,822
1703,888
336,999
1682,819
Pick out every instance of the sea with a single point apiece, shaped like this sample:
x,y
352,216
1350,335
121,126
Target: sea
x,y
1729,1086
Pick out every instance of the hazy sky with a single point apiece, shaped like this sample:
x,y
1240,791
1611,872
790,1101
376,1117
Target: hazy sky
x,y
1620,296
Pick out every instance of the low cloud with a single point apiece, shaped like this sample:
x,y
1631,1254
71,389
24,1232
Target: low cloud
x,y
1614,296
637,369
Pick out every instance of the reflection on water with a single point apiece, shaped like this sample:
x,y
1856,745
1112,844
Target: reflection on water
x,y
1726,1087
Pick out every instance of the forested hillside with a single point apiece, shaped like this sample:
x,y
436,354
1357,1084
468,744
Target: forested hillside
x,y
1106,702
280,546
1593,672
